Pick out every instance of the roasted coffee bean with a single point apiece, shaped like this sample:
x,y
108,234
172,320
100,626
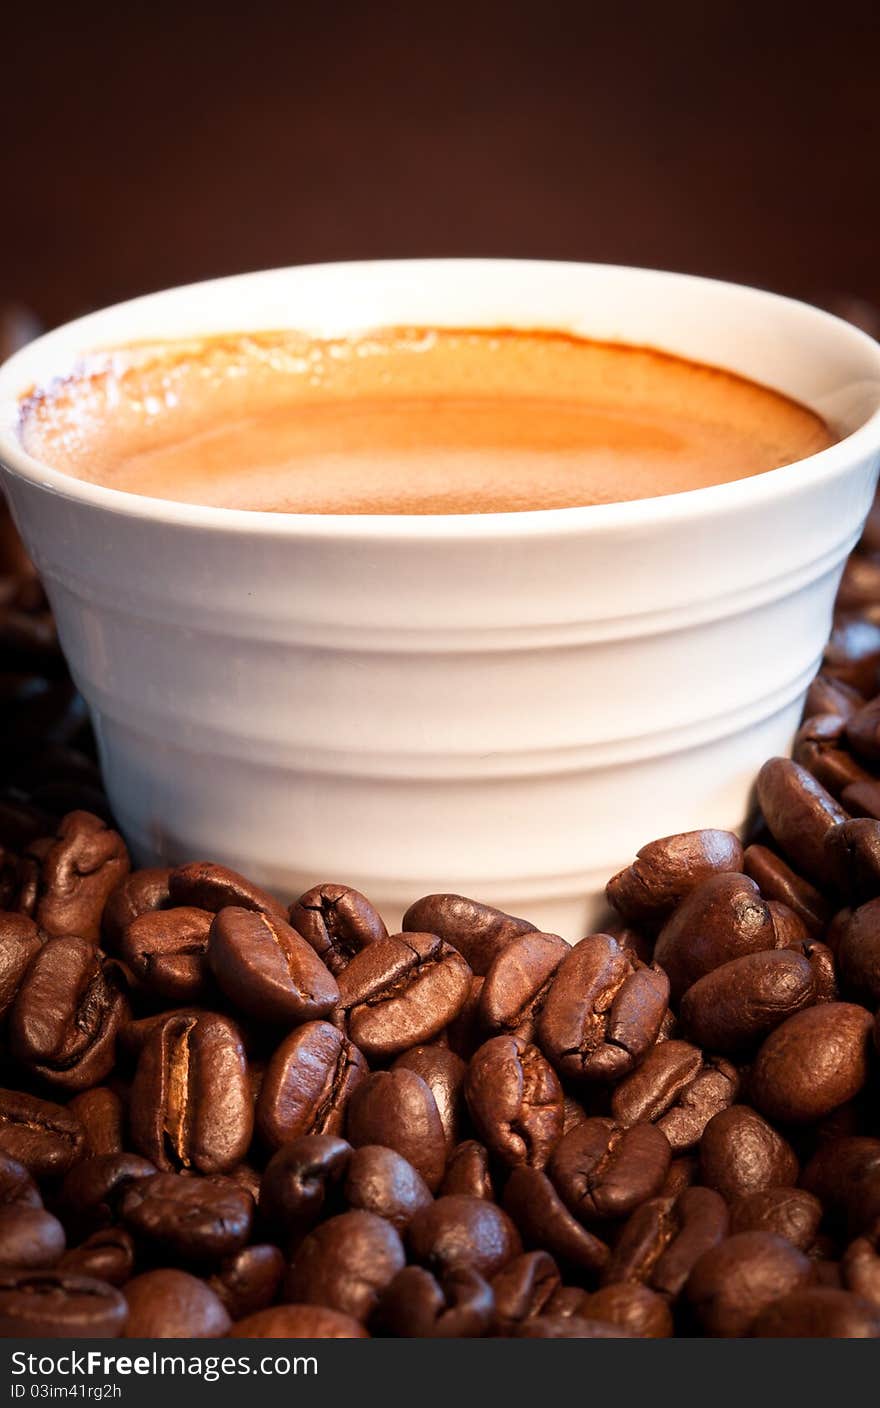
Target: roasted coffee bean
x,y
444,1074
397,1109
65,1019
683,1173
338,922
567,1300
822,967
667,870
799,812
732,1009
819,746
465,1032
853,850
308,1083
602,1172
573,1112
844,1174
736,1280
517,983
93,1188
740,1153
601,1014
662,1241
523,1288
201,885
633,1307
248,1281
638,946
299,1180
455,1304
792,1213
723,918
777,881
458,1232
789,929
863,731
401,991
173,1305
267,969
858,954
346,1264
515,1101
381,1181
193,1219
79,872
17,1188
190,1101
59,1305
862,799
677,1089
20,941
544,1222
477,931
100,1111
568,1327
818,1312
299,1322
43,1136
30,1238
860,1270
167,950
815,1061
107,1255
467,1171
139,893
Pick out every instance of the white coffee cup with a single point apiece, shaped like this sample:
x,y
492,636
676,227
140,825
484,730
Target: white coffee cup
x,y
504,705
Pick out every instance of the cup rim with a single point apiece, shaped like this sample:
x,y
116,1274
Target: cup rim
x,y
766,487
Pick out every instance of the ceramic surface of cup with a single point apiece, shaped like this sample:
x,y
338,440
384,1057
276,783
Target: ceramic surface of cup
x,y
505,705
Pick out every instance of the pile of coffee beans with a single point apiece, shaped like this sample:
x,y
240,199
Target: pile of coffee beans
x,y
222,1116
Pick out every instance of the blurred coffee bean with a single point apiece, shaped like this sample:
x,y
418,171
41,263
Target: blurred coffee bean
x,y
193,1219
818,1313
380,1181
20,941
46,1138
30,1238
467,1171
544,1222
739,1278
457,1232
396,1108
455,1304
59,1305
815,1061
792,1213
524,1288
247,1281
346,1264
101,1114
298,1322
633,1307
107,1255
299,1180
777,881
740,1153
169,1304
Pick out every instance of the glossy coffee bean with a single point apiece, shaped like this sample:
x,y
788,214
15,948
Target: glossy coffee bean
x,y
544,1222
108,1255
46,1138
337,922
723,918
444,1074
30,1238
601,1014
740,1277
863,730
401,991
635,1308
93,1189
266,969
815,1061
677,1089
830,696
396,1109
59,1305
300,1181
169,1304
740,1153
66,1016
308,1084
515,1101
792,1213
139,893
299,1322
820,747
858,954
467,1171
823,967
777,881
819,1313
602,1172
861,799
568,1327
346,1264
518,982
248,1281
465,1032
190,1101
732,1009
79,872
458,1232
477,931
661,1241
20,941
380,1181
844,1174
167,950
524,1288
193,1219
419,1305
665,871
201,885
17,1188
799,812
853,852
101,1114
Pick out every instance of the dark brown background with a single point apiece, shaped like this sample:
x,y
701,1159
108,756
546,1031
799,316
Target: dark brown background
x,y
145,145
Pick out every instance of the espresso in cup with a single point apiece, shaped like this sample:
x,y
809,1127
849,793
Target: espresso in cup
x,y
411,420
